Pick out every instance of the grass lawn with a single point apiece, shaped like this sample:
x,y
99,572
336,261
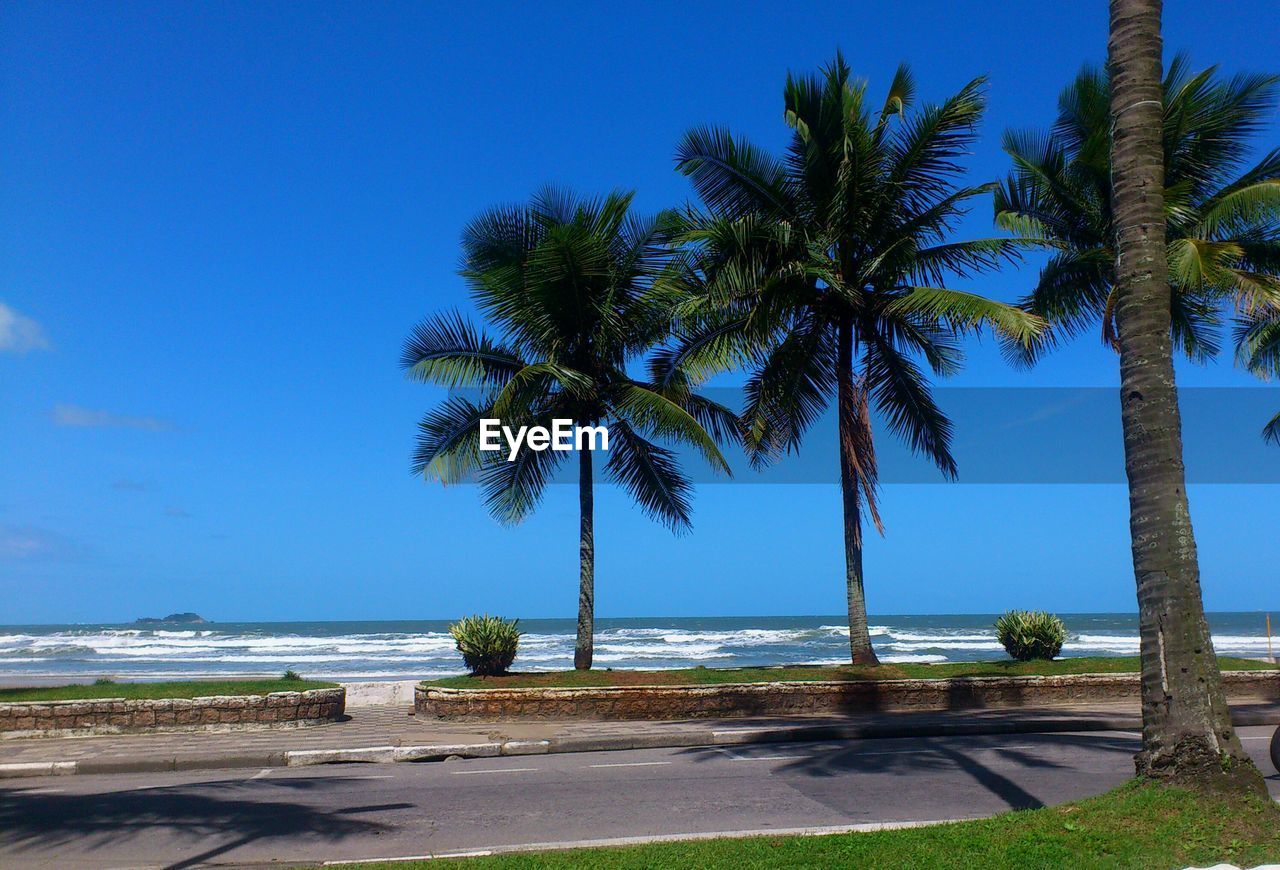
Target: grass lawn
x,y
1137,825
711,676
192,689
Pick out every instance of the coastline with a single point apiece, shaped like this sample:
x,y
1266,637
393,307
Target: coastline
x,y
387,651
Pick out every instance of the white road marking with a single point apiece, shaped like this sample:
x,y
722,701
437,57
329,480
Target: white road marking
x,y
631,764
770,757
266,771
1264,737
498,770
962,749
733,756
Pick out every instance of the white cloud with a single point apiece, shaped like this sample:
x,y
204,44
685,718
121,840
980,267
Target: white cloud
x,y
19,333
87,418
20,543
126,484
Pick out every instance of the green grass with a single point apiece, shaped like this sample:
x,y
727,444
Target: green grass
x,y
712,676
1137,825
191,689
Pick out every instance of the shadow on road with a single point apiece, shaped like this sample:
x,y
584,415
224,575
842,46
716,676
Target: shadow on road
x,y
205,812
931,756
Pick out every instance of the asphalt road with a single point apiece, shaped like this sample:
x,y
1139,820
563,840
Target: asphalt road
x,y
392,810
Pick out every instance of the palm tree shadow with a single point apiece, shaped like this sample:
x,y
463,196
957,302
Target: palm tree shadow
x,y
937,756
43,821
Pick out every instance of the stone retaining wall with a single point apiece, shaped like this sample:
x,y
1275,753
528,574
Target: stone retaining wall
x,y
121,715
765,699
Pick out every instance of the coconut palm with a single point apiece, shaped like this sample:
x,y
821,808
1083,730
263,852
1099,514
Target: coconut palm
x,y
823,273
575,289
1187,734
1222,217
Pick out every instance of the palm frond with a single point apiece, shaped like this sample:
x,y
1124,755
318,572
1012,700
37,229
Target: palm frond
x,y
1194,325
903,395
927,149
530,387
1271,432
902,91
652,476
448,350
1257,337
448,443
1070,296
730,175
964,259
788,391
862,455
513,489
968,312
651,412
1243,207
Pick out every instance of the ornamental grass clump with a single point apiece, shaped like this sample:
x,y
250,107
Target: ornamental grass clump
x,y
487,643
1029,635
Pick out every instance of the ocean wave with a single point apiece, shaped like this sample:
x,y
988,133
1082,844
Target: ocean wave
x,y
51,651
694,653
940,636
130,653
945,643
844,629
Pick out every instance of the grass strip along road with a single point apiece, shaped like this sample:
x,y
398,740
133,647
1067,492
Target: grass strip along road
x,y
1138,825
153,691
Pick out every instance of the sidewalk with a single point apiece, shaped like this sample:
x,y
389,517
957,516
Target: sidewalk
x,y
390,734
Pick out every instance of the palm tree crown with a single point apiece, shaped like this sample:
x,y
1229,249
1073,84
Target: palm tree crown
x,y
1222,220
823,273
576,289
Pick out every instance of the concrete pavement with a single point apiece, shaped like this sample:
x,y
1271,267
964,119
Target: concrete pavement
x,y
348,812
390,734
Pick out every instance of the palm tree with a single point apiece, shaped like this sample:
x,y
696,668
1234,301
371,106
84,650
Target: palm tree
x,y
1222,220
576,289
822,272
1187,734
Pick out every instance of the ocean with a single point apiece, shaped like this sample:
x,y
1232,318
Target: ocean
x,y
423,648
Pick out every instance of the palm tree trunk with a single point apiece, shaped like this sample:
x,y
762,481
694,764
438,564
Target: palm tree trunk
x,y
849,410
584,648
1187,734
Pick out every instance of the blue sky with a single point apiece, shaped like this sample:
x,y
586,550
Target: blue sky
x,y
219,221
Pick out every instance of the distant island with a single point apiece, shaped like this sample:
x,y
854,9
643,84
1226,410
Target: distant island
x,y
185,618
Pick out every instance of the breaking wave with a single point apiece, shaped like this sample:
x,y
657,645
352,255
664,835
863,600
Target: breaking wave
x,y
423,649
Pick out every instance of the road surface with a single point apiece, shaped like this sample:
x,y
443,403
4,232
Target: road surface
x,y
392,810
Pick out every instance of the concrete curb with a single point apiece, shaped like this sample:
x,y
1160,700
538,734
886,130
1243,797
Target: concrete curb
x,y
615,842
605,743
37,768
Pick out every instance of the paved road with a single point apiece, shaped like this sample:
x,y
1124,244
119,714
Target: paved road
x,y
372,811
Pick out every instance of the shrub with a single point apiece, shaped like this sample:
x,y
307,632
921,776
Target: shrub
x,y
104,681
487,643
292,676
1028,635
